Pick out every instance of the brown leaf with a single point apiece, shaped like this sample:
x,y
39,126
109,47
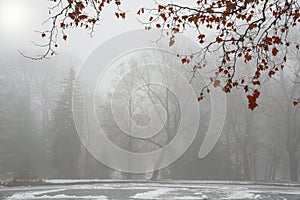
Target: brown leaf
x,y
201,36
277,40
256,82
82,17
185,60
274,51
248,57
80,5
252,100
123,15
268,40
172,41
271,73
218,39
217,83
252,26
295,103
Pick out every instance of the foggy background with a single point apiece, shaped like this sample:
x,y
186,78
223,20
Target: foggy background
x,y
38,137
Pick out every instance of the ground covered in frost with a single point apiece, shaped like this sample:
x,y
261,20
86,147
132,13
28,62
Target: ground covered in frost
x,y
114,190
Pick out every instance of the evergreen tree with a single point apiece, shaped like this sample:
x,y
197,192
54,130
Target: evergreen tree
x,y
66,147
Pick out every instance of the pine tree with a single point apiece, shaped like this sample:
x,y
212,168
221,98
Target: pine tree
x,y
66,147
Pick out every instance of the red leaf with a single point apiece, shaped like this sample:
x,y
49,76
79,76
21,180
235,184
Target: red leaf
x,y
43,35
252,104
268,40
92,20
80,5
160,7
252,100
256,94
201,36
162,15
218,39
175,30
217,83
248,57
82,17
172,41
123,15
72,16
229,24
277,40
295,103
252,26
274,51
62,25
185,60
256,82
140,11
271,73
65,37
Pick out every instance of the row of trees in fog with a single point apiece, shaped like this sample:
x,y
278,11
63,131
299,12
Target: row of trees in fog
x,y
38,138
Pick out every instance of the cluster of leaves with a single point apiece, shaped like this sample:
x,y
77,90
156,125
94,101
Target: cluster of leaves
x,y
253,31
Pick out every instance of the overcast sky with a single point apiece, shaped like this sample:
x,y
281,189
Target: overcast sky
x,y
19,20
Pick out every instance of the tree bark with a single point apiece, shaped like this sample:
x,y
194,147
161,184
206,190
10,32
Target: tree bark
x,y
293,166
155,173
246,167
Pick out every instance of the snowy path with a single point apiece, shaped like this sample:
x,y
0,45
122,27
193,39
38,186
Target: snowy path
x,y
139,191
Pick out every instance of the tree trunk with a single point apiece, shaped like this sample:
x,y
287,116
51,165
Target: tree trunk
x,y
274,173
293,166
154,175
254,170
266,171
246,167
156,167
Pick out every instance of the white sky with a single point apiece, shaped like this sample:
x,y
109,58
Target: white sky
x,y
20,18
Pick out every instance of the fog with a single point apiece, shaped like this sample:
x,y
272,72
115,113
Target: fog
x,y
143,102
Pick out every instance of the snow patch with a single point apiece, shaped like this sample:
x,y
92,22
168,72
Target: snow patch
x,y
42,195
66,181
60,196
257,196
242,195
153,194
203,197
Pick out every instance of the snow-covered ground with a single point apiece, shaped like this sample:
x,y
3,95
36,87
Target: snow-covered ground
x,y
149,190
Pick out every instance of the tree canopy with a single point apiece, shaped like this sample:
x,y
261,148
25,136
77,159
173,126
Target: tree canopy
x,y
242,31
